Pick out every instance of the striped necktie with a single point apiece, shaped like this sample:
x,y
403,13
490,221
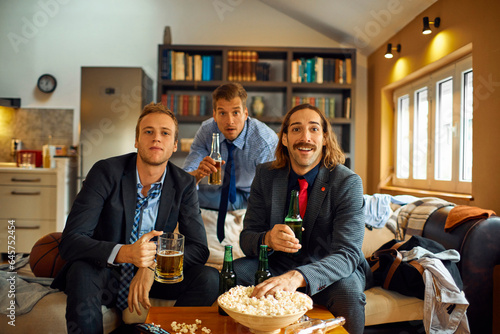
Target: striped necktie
x,y
127,272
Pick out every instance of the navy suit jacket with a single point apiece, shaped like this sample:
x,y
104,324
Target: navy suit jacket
x,y
103,212
333,222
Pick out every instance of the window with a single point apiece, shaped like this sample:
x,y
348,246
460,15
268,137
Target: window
x,y
433,124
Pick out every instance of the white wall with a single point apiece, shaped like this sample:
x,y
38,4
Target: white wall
x,y
61,36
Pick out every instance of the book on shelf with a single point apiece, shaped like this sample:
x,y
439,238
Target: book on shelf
x,y
230,65
325,104
242,65
179,68
189,67
348,71
186,105
347,107
203,105
165,65
262,71
179,65
321,70
197,67
217,68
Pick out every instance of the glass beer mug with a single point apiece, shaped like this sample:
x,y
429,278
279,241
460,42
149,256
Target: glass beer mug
x,y
170,258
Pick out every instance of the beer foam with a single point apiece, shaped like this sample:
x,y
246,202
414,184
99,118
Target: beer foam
x,y
282,303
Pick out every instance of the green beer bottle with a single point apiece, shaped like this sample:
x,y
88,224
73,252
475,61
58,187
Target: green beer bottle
x,y
262,272
227,278
293,219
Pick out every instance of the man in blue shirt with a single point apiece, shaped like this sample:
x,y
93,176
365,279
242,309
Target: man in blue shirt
x,y
254,143
126,201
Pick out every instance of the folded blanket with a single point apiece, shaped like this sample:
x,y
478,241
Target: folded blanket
x,y
24,291
462,213
413,216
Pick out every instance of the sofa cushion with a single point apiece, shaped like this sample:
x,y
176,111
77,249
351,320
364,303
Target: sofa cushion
x,y
374,239
233,227
384,306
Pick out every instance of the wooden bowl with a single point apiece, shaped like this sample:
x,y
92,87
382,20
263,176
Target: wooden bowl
x,y
261,324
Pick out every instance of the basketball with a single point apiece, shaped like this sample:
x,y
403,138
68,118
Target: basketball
x,y
45,260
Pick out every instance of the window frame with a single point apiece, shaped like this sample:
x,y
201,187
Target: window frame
x,y
456,71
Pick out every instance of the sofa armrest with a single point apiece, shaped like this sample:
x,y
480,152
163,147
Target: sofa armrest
x,y
477,242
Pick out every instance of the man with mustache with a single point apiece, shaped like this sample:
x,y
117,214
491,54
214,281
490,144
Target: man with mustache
x,y
252,141
126,201
330,266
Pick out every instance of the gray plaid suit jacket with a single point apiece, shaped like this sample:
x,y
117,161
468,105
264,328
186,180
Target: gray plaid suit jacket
x,y
333,222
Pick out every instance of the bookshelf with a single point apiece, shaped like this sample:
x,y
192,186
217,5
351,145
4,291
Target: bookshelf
x,y
281,76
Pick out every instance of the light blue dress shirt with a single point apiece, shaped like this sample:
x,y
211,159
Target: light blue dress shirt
x,y
256,144
149,213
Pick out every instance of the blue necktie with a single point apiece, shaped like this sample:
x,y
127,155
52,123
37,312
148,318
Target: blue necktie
x,y
228,191
127,272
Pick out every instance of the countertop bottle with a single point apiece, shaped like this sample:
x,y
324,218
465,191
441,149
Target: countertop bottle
x,y
293,219
216,178
227,278
262,272
315,326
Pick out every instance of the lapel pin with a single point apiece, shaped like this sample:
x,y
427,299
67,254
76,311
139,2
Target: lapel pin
x,y
322,188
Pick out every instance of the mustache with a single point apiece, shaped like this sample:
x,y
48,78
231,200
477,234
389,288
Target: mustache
x,y
304,145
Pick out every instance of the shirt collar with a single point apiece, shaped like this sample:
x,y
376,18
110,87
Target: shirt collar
x,y
240,141
140,186
309,176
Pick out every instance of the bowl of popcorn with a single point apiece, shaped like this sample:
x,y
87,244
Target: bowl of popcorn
x,y
265,315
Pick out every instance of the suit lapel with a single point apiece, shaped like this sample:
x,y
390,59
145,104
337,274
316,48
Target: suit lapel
x,y
315,201
280,186
129,197
165,205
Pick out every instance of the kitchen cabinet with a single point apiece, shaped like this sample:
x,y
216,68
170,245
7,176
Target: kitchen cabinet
x,y
36,201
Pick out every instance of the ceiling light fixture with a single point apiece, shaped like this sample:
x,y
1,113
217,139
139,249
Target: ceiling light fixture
x,y
427,28
388,53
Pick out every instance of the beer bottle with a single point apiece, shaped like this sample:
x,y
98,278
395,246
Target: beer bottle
x,y
216,178
315,326
227,278
293,219
262,272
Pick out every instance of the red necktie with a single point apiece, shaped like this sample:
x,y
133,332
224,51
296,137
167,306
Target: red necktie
x,y
303,197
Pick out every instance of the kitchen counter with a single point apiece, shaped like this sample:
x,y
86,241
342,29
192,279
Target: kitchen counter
x,y
37,199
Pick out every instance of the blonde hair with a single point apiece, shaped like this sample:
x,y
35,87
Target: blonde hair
x,y
332,153
156,108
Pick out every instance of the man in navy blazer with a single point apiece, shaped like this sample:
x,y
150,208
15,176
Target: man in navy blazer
x,y
96,238
328,265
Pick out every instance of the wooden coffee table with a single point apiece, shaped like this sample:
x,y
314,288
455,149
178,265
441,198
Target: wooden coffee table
x,y
217,323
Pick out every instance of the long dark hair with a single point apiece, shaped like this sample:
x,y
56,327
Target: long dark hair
x,y
332,153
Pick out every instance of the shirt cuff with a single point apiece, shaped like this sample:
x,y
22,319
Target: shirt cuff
x,y
112,256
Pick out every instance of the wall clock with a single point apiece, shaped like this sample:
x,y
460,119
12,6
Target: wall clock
x,y
47,83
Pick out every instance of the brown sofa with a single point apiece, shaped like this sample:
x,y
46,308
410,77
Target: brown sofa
x,y
475,241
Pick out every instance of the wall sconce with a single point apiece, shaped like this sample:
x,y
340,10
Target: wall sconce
x,y
427,29
388,53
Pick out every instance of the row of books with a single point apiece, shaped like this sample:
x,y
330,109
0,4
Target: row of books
x,y
327,105
245,66
178,65
187,105
322,70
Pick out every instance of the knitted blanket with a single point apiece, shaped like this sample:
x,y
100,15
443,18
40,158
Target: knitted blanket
x,y
412,216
